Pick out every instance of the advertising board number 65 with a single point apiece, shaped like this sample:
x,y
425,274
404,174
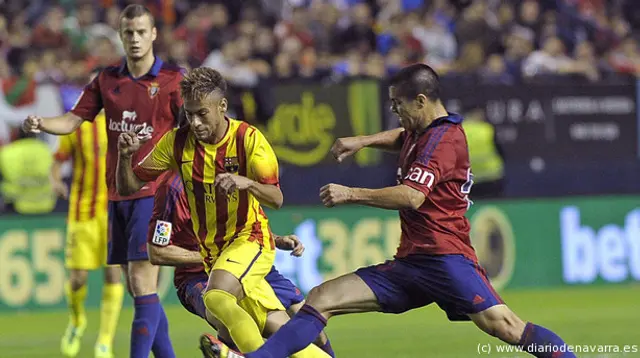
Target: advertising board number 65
x,y
32,270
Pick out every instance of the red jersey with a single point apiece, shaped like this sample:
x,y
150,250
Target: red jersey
x,y
436,162
171,206
150,103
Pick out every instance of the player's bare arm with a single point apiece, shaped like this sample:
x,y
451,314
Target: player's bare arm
x,y
267,194
172,255
391,198
390,140
127,182
59,187
64,124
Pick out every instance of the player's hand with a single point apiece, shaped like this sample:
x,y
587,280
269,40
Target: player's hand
x,y
130,142
32,124
228,183
60,188
334,194
290,243
345,147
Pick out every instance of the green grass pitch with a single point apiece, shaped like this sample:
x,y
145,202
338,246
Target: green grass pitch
x,y
607,315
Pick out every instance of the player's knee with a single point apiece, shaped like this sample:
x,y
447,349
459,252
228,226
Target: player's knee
x,y
143,278
322,300
112,274
504,325
218,302
77,279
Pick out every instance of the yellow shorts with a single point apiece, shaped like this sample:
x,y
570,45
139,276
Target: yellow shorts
x,y
250,263
86,247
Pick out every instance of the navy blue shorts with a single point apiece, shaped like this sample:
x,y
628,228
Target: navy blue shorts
x,y
456,284
285,290
128,227
190,292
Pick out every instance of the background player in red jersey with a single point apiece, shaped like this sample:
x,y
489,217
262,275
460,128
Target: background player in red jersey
x,y
435,262
172,242
139,94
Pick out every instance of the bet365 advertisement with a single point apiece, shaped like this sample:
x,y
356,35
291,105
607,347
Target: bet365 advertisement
x,y
532,243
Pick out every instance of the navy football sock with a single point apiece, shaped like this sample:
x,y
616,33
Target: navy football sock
x,y
296,335
328,349
162,347
542,343
145,325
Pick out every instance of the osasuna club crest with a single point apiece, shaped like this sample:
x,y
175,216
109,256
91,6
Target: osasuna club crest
x,y
231,164
154,88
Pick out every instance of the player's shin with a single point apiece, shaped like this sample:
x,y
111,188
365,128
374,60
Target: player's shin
x,y
76,295
303,328
112,295
162,347
242,328
145,324
537,340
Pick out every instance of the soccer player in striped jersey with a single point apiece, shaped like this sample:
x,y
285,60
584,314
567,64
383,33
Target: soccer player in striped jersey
x,y
229,171
86,246
172,242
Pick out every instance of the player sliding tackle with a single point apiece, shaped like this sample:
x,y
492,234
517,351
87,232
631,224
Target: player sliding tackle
x,y
172,242
229,171
435,262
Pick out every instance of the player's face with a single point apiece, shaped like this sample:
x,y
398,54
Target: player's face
x,y
205,116
137,36
407,110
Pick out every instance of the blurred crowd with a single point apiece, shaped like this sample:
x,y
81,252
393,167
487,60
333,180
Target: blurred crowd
x,y
493,41
499,41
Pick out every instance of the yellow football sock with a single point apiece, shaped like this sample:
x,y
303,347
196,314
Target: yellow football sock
x,y
112,294
75,300
243,329
312,351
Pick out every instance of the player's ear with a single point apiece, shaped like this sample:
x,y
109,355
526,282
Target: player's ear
x,y
223,105
154,33
421,101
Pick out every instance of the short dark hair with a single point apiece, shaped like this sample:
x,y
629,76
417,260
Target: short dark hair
x,y
136,10
201,82
417,79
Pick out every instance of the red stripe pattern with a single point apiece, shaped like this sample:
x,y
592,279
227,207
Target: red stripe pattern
x,y
83,165
197,177
243,199
222,214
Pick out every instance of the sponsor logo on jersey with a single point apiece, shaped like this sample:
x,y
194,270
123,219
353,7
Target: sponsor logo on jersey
x,y
126,124
420,176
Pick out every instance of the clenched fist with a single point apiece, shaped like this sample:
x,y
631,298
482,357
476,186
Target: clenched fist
x,y
129,143
334,194
32,124
345,147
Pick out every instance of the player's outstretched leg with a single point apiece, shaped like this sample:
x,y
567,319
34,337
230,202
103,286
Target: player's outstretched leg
x,y
345,294
500,322
323,339
112,295
76,292
221,300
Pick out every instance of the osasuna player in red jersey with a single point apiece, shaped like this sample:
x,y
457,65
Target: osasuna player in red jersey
x,y
435,262
172,242
139,94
